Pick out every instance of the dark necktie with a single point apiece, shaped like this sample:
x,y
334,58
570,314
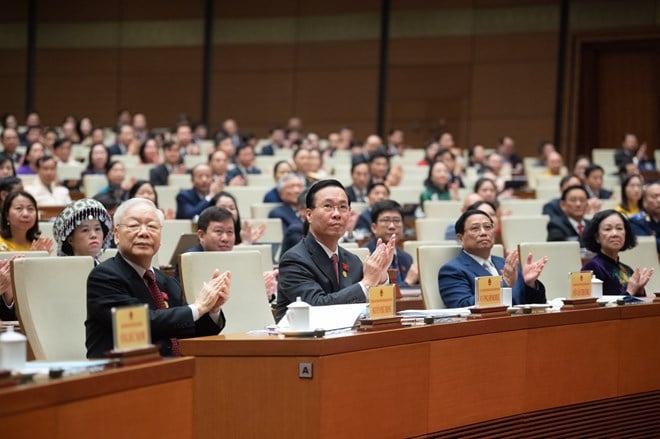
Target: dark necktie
x,y
157,296
395,265
580,228
335,265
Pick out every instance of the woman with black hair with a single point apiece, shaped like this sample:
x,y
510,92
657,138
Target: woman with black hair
x,y
243,232
607,234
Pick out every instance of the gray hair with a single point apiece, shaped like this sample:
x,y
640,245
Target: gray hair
x,y
287,178
123,207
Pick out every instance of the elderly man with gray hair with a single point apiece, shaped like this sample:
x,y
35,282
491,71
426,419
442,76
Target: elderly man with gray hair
x,y
290,186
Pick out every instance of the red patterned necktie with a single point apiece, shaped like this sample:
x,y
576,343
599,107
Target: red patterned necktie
x,y
335,265
580,228
157,295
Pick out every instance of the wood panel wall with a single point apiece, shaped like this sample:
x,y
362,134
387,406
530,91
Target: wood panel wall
x,y
479,69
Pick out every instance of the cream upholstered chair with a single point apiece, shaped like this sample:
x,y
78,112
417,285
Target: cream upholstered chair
x,y
350,246
51,302
523,228
261,210
29,254
248,307
92,184
167,196
412,246
246,196
522,207
182,181
429,261
443,209
432,229
172,231
563,258
361,253
406,194
273,233
265,250
644,254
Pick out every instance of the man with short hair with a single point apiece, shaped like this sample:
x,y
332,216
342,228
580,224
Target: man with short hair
x,y
375,192
126,143
62,151
10,141
184,138
244,164
360,176
172,164
44,188
289,187
379,166
276,141
128,279
552,207
191,202
571,223
647,222
387,222
507,149
593,175
456,279
317,269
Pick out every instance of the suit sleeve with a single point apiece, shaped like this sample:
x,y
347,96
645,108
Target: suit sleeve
x,y
456,290
187,208
106,289
555,232
523,294
298,279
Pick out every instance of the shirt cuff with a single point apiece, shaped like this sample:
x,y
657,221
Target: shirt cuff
x,y
11,305
195,312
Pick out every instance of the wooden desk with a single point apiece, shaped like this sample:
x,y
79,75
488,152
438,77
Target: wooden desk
x,y
521,375
118,403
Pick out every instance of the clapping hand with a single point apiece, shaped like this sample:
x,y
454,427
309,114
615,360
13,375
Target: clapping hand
x,y
638,280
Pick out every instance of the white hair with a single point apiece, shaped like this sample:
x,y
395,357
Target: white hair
x,y
123,207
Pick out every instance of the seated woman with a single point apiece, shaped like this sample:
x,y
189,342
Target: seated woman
x,y
19,231
98,160
280,169
144,189
607,234
115,172
631,195
243,232
438,186
83,229
34,152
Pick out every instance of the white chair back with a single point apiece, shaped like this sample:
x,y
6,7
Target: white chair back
x,y
429,261
93,183
563,258
51,302
273,232
361,252
246,196
169,237
167,196
412,246
644,254
432,229
265,250
443,209
181,181
523,228
522,207
248,307
261,210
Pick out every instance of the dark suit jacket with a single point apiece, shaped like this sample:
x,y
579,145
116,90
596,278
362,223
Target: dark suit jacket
x,y
286,214
306,272
272,196
7,314
237,171
456,282
159,175
353,195
402,261
560,229
552,208
115,283
115,149
292,236
189,204
364,221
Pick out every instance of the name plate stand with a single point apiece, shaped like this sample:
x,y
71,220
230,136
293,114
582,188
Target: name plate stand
x,y
488,299
132,336
382,300
581,297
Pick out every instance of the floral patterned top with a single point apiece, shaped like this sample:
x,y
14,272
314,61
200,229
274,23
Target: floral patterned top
x,y
7,245
614,274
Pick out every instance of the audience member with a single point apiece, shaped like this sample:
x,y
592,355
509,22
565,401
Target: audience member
x,y
570,225
438,185
245,233
375,192
10,142
507,150
280,169
647,222
379,167
33,153
45,189
594,183
319,271
360,177
128,279
456,279
149,153
83,229
582,162
6,167
289,187
276,137
126,142
98,160
608,234
144,189
244,164
191,202
172,164
631,195
19,230
117,186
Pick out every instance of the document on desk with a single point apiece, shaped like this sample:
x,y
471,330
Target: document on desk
x,y
449,312
331,317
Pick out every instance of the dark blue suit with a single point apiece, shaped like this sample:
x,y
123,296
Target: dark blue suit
x,y
238,171
643,225
364,221
306,272
189,204
272,196
402,261
456,280
552,208
287,214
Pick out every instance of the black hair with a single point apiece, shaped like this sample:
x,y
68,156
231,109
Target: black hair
x,y
109,201
280,163
136,187
459,226
624,198
591,168
111,164
590,233
90,164
429,184
43,159
213,214
565,178
59,142
141,153
359,161
237,223
373,185
5,158
378,154
385,206
29,149
483,180
310,199
476,204
570,188
5,228
7,184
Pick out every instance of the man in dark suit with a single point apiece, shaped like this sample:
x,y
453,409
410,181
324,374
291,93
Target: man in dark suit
x,y
289,187
552,208
647,222
456,279
569,225
593,175
173,164
191,202
360,176
125,138
319,271
128,279
244,164
387,221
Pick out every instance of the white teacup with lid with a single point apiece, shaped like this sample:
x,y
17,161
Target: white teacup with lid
x,y
12,350
298,315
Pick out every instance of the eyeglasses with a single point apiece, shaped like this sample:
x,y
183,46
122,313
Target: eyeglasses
x,y
387,221
327,207
476,228
152,228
